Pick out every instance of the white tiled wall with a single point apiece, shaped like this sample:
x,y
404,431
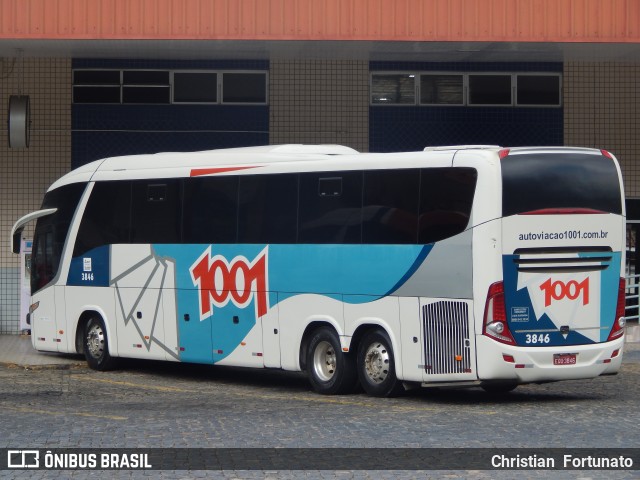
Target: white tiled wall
x,y
602,110
26,173
319,101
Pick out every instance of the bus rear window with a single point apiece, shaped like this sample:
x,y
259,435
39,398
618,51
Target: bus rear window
x,y
539,181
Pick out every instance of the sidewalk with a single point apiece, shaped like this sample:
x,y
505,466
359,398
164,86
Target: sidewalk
x,y
17,350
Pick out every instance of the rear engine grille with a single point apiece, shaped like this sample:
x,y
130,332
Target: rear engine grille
x,y
446,338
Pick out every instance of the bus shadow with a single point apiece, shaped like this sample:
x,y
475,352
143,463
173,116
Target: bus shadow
x,y
534,394
297,382
216,374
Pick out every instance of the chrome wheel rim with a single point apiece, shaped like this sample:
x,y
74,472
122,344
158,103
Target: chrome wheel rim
x,y
95,341
376,362
324,361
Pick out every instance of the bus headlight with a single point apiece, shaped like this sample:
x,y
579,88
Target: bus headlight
x,y
33,307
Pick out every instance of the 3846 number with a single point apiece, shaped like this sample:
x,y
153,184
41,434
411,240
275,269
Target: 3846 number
x,y
534,338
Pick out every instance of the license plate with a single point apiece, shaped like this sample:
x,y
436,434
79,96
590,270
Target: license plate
x,y
564,359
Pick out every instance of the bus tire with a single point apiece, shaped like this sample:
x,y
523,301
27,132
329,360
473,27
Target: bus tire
x,y
96,345
376,365
331,371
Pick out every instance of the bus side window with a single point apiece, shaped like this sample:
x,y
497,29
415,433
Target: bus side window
x,y
390,210
446,198
107,217
268,208
330,207
210,210
155,211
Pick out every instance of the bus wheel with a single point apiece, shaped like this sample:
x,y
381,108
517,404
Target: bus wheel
x,y
96,345
376,365
331,371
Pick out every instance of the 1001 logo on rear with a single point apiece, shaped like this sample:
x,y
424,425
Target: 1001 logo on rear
x,y
560,290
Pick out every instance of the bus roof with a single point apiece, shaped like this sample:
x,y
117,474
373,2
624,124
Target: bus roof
x,y
278,159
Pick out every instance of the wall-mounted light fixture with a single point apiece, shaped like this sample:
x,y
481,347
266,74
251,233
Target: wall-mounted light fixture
x,y
19,120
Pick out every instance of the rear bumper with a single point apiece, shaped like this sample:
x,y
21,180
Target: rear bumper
x,y
535,364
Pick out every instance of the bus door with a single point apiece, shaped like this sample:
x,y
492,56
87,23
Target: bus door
x,y
44,324
43,317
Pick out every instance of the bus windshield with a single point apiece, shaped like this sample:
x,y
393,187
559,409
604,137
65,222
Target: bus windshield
x,y
51,234
539,181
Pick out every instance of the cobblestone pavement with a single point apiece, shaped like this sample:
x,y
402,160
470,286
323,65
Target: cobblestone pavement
x,y
153,405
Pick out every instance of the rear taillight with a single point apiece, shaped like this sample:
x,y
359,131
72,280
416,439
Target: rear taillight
x,y
619,322
495,316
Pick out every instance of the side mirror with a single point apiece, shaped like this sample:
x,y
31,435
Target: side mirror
x,y
17,241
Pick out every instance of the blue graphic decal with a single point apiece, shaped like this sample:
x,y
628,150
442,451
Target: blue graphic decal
x,y
220,317
334,270
520,310
90,269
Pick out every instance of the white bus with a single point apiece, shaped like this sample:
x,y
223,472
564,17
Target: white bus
x,y
460,266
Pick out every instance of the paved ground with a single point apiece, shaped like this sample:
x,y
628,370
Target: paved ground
x,y
151,404
17,350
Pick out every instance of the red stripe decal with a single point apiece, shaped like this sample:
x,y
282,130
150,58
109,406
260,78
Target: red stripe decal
x,y
564,211
196,172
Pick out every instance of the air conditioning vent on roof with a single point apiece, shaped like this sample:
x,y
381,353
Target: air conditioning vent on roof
x,y
313,149
461,147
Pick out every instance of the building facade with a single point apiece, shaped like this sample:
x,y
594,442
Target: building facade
x,y
115,77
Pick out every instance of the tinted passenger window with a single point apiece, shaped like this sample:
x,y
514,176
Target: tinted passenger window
x,y
210,210
390,210
268,209
155,211
446,198
330,207
107,217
